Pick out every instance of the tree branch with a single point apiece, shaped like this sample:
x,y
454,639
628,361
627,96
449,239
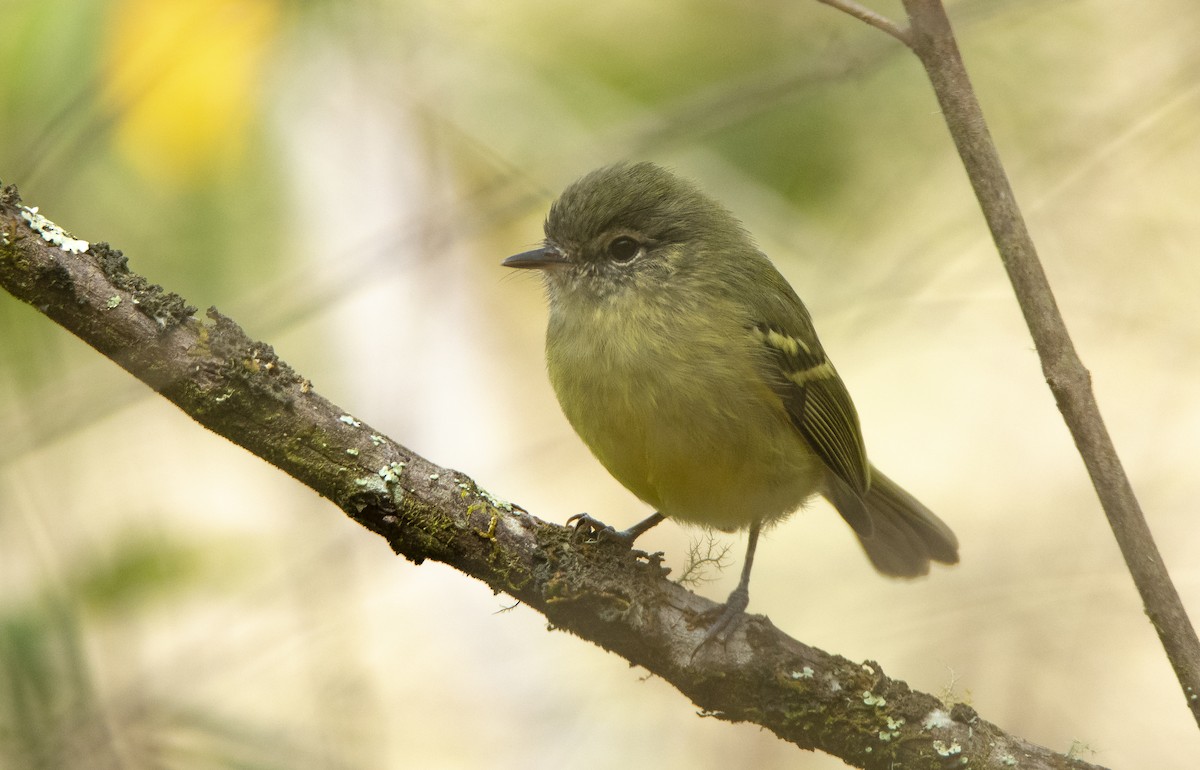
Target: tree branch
x,y
615,598
931,37
876,20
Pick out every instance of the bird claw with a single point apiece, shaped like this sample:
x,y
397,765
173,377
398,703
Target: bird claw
x,y
724,618
589,526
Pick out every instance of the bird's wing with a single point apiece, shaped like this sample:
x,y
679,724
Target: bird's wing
x,y
815,397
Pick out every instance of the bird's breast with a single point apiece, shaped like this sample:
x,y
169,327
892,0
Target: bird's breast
x,y
675,406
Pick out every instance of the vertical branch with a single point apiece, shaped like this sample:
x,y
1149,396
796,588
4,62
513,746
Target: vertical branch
x,y
932,39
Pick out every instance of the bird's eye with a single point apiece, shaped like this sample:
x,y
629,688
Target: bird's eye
x,y
623,248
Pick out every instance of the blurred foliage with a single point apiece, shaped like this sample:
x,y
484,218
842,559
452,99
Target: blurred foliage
x,y
183,77
143,567
55,715
47,699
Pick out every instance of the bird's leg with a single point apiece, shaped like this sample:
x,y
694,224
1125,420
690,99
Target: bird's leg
x,y
592,526
739,598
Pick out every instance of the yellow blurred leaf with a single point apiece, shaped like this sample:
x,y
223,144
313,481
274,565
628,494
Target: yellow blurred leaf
x,y
182,77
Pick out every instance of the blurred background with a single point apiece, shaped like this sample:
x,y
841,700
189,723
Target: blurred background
x,y
343,179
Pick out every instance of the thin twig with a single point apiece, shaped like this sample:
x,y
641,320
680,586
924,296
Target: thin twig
x,y
932,39
876,20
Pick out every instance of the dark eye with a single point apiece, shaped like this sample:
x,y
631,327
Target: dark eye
x,y
623,248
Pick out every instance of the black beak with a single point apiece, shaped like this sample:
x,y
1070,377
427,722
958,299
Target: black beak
x,y
538,259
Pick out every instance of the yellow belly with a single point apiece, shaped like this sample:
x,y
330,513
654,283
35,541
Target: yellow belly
x,y
695,433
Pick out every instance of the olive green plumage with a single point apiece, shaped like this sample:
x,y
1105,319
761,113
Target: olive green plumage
x,y
692,370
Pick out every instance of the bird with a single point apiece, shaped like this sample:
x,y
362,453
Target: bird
x,y
689,366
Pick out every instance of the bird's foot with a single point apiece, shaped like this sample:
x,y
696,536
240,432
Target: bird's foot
x,y
724,618
589,526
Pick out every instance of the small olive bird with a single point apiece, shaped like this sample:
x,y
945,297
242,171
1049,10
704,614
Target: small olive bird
x,y
691,369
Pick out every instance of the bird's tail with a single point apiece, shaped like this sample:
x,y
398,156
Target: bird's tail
x,y
904,535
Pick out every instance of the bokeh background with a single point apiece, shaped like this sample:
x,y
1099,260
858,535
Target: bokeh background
x,y
343,179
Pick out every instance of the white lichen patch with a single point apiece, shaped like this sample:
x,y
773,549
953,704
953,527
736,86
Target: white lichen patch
x,y
492,500
372,483
52,233
804,673
937,719
390,473
892,731
947,749
112,302
347,419
381,486
871,699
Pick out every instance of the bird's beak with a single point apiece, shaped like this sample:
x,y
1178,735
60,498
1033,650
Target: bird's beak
x,y
538,259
